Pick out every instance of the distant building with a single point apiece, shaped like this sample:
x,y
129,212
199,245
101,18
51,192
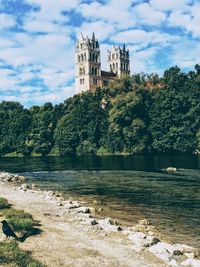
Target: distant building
x,y
89,75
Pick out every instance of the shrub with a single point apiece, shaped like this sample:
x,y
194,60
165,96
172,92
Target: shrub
x,y
20,221
12,255
4,204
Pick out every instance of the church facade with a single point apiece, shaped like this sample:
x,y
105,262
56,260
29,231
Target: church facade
x,y
88,74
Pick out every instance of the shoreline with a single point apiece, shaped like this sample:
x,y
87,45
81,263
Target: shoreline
x,y
80,238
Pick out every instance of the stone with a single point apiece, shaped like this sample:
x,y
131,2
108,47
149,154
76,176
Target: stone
x,y
143,222
191,263
33,186
171,169
173,263
24,187
84,210
94,222
163,251
109,225
177,253
141,240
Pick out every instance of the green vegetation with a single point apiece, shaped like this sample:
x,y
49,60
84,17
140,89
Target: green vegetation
x,y
11,255
4,204
142,113
20,221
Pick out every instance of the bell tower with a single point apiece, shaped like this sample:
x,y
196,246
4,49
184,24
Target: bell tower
x,y
88,64
119,61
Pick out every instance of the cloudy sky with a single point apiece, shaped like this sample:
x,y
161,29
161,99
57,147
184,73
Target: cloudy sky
x,y
37,39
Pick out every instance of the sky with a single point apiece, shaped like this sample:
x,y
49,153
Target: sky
x,y
37,41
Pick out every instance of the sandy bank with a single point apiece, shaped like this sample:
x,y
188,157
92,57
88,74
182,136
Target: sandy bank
x,y
72,236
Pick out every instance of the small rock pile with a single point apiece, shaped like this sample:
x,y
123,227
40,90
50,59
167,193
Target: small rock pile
x,y
12,178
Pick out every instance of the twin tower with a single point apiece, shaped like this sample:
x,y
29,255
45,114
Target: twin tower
x,y
89,75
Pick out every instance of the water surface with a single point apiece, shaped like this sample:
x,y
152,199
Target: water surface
x,y
128,188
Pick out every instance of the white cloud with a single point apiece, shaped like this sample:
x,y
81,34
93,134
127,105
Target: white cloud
x,y
114,11
183,59
189,20
148,15
144,38
169,5
102,29
6,21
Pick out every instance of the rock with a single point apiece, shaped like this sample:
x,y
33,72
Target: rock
x,y
22,178
143,222
171,169
33,186
109,225
94,222
173,263
190,255
177,253
185,248
24,187
84,210
141,240
191,263
163,251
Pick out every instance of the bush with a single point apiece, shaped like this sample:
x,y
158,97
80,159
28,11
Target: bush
x,y
12,255
20,221
4,204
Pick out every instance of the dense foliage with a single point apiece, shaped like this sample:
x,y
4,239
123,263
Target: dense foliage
x,y
142,113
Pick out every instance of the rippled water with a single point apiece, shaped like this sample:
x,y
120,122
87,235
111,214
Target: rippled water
x,y
129,191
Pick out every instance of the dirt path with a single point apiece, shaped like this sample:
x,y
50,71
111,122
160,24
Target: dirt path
x,y
66,241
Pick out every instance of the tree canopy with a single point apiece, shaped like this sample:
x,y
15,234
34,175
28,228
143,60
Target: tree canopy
x,y
136,114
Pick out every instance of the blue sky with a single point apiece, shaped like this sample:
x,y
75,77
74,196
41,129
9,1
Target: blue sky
x,y
37,39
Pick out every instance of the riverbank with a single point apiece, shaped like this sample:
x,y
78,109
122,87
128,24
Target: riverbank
x,y
73,236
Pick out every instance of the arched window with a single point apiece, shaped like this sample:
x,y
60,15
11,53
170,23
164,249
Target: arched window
x,y
90,56
96,58
110,67
83,81
92,70
116,65
113,66
85,56
81,57
93,57
80,71
78,58
95,71
83,70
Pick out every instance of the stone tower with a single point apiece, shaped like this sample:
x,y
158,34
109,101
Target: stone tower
x,y
88,64
119,61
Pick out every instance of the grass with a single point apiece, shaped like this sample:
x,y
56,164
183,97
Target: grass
x,y
19,220
10,253
4,204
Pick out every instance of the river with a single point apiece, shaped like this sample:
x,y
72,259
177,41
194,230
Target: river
x,y
127,187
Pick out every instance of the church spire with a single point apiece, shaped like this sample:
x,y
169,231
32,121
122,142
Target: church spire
x,y
93,37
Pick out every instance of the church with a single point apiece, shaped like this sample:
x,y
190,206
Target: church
x,y
89,75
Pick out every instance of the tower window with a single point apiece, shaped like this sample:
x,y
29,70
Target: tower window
x,y
78,58
81,57
95,82
116,65
85,56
